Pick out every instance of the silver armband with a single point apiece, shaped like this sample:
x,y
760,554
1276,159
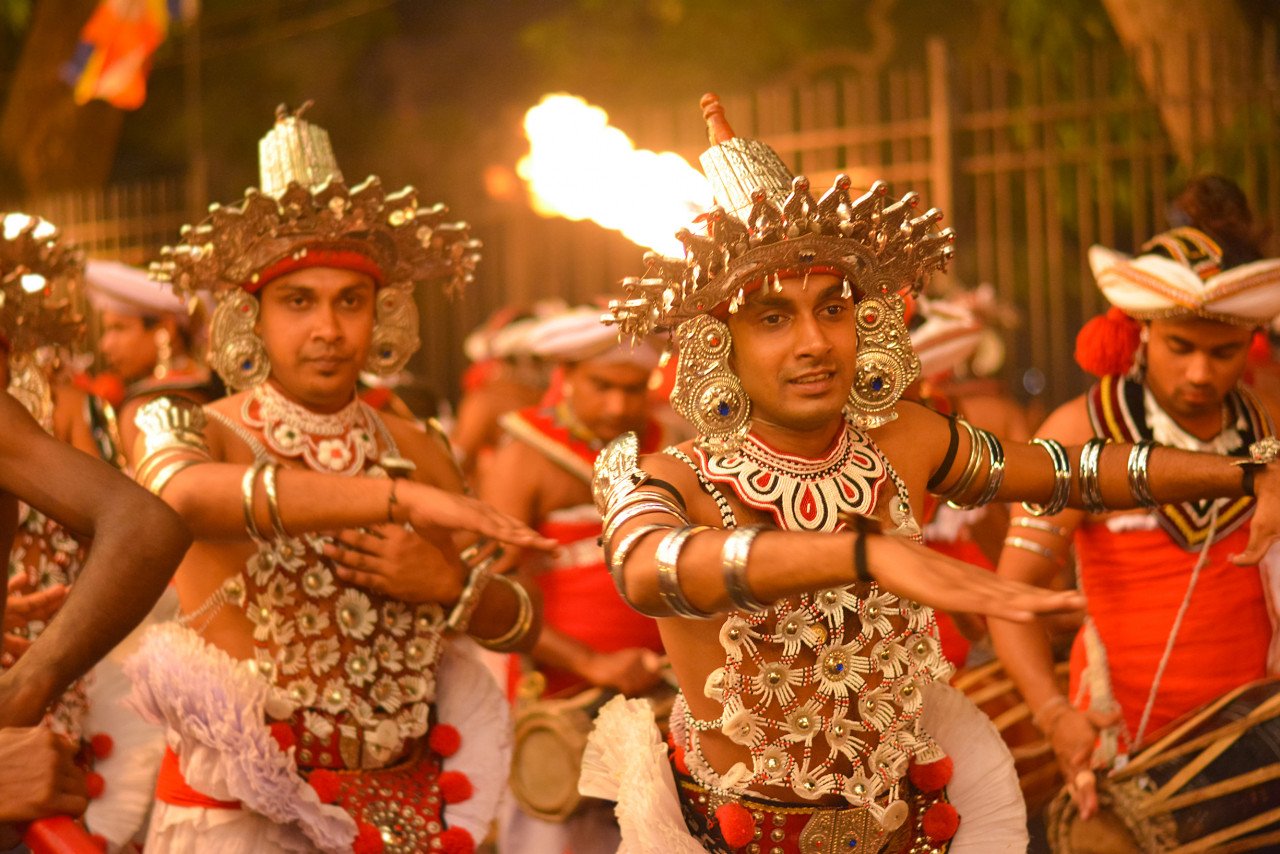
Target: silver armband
x,y
1139,480
1061,480
735,554
668,557
1090,489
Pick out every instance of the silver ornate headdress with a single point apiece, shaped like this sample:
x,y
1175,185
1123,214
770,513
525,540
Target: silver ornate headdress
x,y
766,222
305,206
40,285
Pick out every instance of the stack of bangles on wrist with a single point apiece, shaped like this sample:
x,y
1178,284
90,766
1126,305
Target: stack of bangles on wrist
x,y
248,487
982,444
480,577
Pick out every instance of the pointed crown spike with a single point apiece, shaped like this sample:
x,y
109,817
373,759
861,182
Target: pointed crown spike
x,y
296,151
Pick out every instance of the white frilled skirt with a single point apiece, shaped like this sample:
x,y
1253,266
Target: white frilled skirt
x,y
626,761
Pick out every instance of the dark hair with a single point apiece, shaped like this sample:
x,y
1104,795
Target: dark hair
x,y
1217,206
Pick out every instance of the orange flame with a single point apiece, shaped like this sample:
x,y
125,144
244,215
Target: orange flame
x,y
580,167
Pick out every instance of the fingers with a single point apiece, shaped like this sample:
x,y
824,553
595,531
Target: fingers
x,y
353,538
1084,791
1259,543
368,580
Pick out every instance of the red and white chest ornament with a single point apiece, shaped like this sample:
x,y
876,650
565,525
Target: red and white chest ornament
x,y
802,494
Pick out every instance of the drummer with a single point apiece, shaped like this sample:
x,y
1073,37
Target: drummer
x,y
1172,622
542,476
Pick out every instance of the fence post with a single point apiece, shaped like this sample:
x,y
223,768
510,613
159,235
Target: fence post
x,y
941,155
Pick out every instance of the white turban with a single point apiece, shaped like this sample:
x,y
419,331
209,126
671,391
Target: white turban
x,y
580,333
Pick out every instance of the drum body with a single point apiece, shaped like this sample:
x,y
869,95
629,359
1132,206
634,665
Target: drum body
x,y
550,737
991,689
1209,782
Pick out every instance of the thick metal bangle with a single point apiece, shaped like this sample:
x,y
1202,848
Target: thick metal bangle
x,y
617,558
269,472
1139,479
1090,489
734,556
460,617
625,514
995,474
668,556
161,480
1061,480
520,627
1039,525
1031,546
247,484
955,493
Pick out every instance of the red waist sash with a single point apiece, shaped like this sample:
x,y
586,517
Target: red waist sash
x,y
172,788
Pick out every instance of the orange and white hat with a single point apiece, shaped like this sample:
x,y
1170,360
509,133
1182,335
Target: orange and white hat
x,y
948,338
1180,272
579,333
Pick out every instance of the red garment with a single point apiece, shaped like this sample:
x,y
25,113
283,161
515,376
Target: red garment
x,y
581,602
1135,582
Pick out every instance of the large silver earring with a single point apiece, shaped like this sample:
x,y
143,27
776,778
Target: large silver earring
x,y
885,364
236,351
707,392
395,332
164,354
1139,366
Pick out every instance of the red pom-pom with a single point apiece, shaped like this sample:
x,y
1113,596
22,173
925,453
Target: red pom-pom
x,y
100,841
737,825
455,787
940,822
283,734
1260,348
368,839
444,739
677,759
326,784
95,784
101,745
457,840
1106,345
931,776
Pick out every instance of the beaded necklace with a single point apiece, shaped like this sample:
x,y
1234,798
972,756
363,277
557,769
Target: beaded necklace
x,y
337,443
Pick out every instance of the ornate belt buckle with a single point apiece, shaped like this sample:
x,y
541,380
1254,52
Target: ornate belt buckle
x,y
851,830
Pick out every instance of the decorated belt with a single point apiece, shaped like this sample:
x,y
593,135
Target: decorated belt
x,y
762,826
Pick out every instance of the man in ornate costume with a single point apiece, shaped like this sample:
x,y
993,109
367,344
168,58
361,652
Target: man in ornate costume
x,y
120,750
311,696
812,717
1172,622
73,496
149,339
590,638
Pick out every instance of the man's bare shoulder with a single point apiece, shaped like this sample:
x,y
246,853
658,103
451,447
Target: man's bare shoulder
x,y
428,452
1069,423
672,470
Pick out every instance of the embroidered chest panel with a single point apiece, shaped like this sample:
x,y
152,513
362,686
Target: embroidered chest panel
x,y
824,690
343,657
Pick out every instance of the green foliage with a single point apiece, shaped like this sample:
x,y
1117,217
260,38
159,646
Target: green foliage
x,y
15,14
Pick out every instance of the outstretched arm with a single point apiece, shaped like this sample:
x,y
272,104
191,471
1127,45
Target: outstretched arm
x,y
137,544
782,563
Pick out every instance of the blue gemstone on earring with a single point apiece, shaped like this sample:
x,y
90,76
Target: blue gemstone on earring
x,y
853,843
877,384
839,668
246,365
723,409
386,354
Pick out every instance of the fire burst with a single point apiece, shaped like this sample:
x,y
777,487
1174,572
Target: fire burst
x,y
580,167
